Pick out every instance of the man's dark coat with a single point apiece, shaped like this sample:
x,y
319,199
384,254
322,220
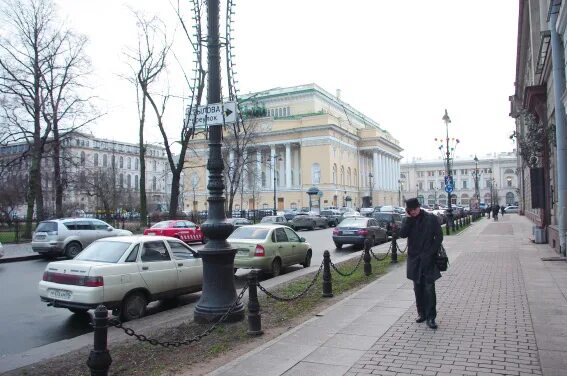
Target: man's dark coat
x,y
424,239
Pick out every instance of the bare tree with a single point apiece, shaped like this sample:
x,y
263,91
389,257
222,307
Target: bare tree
x,y
39,61
12,196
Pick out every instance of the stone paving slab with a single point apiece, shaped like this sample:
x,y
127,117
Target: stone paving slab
x,y
501,308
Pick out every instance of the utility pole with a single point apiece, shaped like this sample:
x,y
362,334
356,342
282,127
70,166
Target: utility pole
x,y
447,120
219,291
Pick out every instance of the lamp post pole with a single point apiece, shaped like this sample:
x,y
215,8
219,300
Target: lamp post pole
x,y
399,192
447,120
273,159
476,177
219,291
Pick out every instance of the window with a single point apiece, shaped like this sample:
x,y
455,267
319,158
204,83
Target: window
x,y
129,163
464,184
133,256
128,181
136,182
281,237
121,181
464,172
154,184
155,165
315,173
292,236
431,185
155,251
137,164
180,251
510,198
104,160
113,161
96,160
83,158
121,162
342,176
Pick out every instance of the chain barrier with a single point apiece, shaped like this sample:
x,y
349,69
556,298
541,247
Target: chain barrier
x,y
352,271
381,258
289,299
405,249
152,341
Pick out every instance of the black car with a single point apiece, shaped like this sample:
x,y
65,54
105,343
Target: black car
x,y
239,222
389,220
333,216
358,231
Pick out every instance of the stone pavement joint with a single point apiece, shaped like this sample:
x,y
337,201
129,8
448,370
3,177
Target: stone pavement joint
x,y
495,306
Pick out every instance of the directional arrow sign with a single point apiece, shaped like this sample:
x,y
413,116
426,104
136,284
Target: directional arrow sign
x,y
448,188
213,114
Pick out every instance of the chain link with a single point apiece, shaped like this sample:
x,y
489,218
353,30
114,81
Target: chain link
x,y
352,271
383,258
405,249
152,341
289,299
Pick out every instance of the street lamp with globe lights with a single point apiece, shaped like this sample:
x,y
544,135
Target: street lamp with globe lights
x,y
476,183
447,147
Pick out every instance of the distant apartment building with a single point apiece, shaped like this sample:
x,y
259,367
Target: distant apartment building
x,y
498,182
307,140
98,174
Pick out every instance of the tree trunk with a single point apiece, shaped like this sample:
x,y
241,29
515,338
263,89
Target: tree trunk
x,y
57,172
174,199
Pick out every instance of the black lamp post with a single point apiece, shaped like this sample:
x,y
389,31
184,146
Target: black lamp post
x,y
370,176
399,192
449,178
272,160
219,291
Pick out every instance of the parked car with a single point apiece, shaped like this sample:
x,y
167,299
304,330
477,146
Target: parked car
x,y
309,221
358,231
278,220
67,237
124,273
333,216
239,222
353,213
367,212
511,209
269,248
390,221
180,229
1,251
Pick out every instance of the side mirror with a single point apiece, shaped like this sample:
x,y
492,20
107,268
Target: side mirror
x,y
302,239
109,228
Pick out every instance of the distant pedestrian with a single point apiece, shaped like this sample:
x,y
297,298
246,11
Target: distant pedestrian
x,y
488,211
502,210
495,210
424,240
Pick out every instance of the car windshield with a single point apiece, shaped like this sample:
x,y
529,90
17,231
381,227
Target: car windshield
x,y
103,251
383,216
46,227
354,222
268,220
254,233
164,224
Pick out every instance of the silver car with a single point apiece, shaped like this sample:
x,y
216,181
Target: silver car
x,y
68,237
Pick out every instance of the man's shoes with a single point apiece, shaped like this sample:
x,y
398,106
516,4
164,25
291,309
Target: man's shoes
x,y
431,323
420,319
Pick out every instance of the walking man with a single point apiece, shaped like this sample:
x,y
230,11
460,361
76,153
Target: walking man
x,y
424,240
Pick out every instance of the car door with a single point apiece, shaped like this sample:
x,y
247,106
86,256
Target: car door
x,y
298,248
189,266
87,232
283,247
157,268
102,229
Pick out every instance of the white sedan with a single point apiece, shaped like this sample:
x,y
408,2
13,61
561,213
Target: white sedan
x,y
124,273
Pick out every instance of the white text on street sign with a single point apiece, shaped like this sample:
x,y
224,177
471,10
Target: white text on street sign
x,y
213,114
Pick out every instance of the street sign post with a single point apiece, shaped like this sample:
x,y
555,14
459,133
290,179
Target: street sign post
x,y
213,114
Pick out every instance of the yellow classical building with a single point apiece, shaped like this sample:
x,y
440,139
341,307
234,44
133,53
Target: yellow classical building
x,y
306,139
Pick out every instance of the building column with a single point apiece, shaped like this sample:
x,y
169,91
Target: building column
x,y
377,171
273,165
288,165
258,167
382,171
391,174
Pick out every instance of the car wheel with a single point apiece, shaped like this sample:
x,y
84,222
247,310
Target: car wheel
x,y
276,267
326,225
133,306
338,245
73,249
78,310
307,262
313,225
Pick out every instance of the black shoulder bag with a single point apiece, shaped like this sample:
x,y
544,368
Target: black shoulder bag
x,y
441,259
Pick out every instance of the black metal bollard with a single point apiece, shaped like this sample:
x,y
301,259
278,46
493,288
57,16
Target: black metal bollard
x,y
254,317
366,258
327,281
447,227
394,250
99,359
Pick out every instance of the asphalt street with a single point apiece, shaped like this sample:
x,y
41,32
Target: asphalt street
x,y
29,323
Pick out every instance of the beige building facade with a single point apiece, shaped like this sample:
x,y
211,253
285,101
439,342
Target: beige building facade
x,y
306,138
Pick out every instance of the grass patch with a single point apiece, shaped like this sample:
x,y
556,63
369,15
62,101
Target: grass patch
x,y
223,344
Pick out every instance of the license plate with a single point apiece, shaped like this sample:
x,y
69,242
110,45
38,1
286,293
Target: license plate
x,y
151,233
40,236
59,294
243,252
349,232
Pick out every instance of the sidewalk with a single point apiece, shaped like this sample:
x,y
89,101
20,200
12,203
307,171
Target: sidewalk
x,y
18,252
501,310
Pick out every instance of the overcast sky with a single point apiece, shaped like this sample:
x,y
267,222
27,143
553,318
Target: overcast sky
x,y
402,63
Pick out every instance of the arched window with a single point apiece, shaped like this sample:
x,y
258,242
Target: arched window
x,y
342,175
155,165
136,182
96,160
334,174
355,176
349,178
510,200
431,200
104,160
442,199
315,174
137,164
154,183
121,181
128,181
113,161
121,162
508,171
83,158
129,163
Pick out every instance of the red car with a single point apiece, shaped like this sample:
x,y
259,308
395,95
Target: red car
x,y
180,229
